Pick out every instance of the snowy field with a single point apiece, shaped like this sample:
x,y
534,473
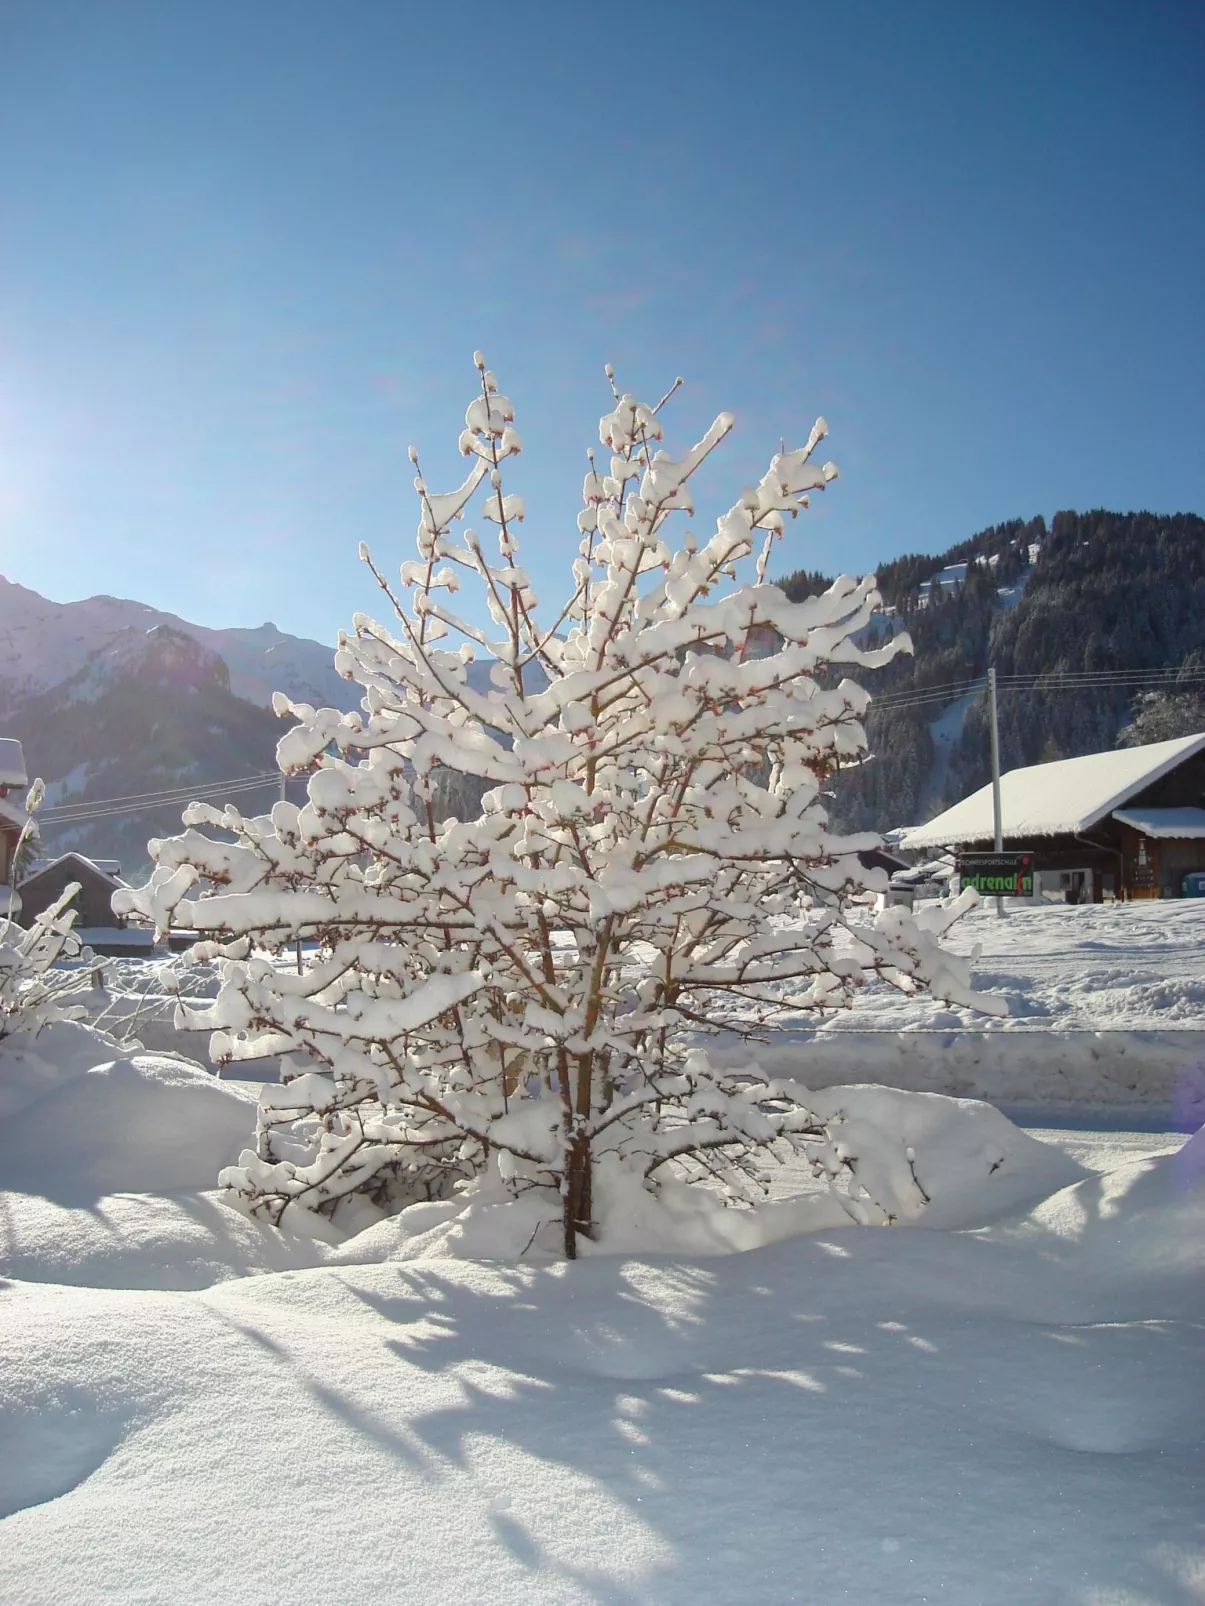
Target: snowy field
x,y
1115,966
197,1410
1106,1019
1093,967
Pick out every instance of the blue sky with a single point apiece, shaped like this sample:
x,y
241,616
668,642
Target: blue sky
x,y
249,246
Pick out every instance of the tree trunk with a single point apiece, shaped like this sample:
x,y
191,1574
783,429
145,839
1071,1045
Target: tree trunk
x,y
578,1193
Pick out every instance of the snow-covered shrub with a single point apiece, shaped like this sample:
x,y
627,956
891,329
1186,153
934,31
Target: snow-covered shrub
x,y
32,992
531,988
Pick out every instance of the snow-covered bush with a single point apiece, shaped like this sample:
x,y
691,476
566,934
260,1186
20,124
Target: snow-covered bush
x,y
531,989
32,992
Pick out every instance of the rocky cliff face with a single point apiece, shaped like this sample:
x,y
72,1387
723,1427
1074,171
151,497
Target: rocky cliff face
x,y
44,643
111,700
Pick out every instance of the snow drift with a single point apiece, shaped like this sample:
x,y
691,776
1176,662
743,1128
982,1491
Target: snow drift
x,y
193,1406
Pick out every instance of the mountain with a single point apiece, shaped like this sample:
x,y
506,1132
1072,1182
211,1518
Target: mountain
x,y
113,699
42,643
145,712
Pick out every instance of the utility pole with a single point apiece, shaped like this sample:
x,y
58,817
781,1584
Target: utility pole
x,y
996,820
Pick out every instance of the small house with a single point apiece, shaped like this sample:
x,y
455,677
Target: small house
x,y
911,884
93,903
1123,824
105,933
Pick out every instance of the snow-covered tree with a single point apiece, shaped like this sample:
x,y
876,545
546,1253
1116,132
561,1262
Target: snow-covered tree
x,y
1176,710
530,990
32,992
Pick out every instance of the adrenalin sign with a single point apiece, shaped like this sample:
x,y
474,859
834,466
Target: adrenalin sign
x,y
998,875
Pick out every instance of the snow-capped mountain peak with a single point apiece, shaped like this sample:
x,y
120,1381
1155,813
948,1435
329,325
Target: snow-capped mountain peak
x,y
44,644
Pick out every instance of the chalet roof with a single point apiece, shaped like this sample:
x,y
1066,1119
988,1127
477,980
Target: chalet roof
x,y
1180,823
78,861
882,859
1056,799
12,763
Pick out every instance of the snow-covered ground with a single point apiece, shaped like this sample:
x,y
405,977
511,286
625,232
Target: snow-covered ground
x,y
1000,1403
944,580
1124,966
1106,1016
195,1409
1133,966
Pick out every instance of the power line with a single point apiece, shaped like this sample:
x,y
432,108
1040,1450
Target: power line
x,y
1048,681
149,807
169,792
905,698
106,808
908,696
1108,677
193,794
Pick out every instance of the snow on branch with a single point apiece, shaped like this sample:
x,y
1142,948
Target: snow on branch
x,y
639,855
34,990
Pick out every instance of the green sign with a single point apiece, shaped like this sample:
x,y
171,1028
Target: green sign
x,y
998,875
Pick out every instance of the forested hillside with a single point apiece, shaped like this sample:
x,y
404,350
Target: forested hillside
x,y
1093,592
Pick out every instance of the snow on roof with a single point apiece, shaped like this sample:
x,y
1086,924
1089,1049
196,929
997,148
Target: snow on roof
x,y
935,870
12,763
1055,799
80,859
1185,822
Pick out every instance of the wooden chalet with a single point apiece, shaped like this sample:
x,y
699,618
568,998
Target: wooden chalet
x,y
106,934
93,902
1125,824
